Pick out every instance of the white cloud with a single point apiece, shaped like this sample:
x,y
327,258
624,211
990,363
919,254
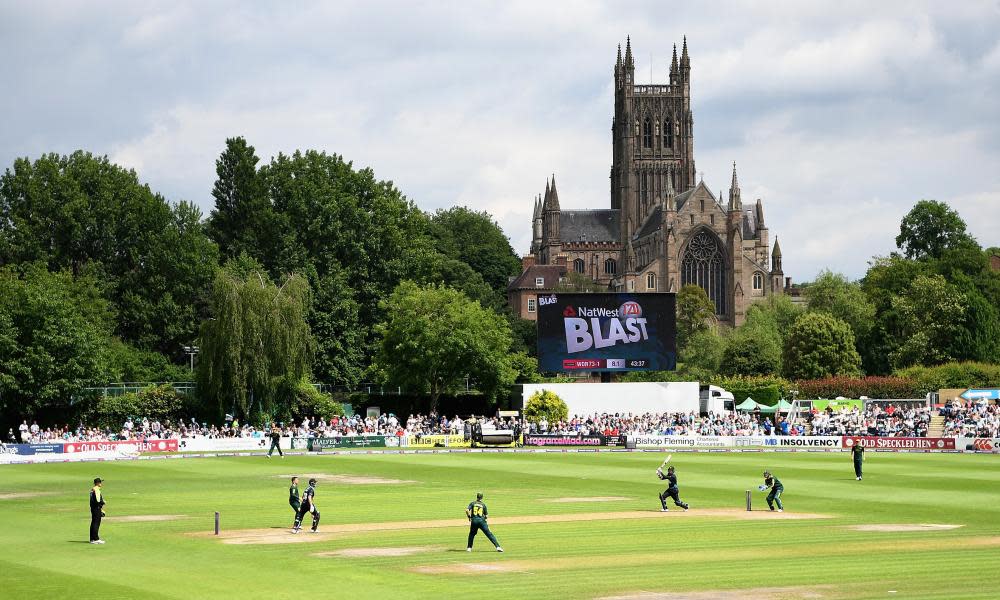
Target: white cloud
x,y
839,117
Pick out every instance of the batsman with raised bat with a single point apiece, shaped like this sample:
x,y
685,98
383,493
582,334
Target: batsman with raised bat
x,y
672,490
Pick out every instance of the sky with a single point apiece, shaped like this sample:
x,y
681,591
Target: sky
x,y
839,115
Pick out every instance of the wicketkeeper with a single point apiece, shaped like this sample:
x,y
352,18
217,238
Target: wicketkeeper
x,y
671,491
774,497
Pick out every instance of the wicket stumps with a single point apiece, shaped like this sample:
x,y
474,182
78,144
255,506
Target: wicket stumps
x,y
217,521
748,500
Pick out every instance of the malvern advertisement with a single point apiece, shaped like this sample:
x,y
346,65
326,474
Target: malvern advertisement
x,y
607,332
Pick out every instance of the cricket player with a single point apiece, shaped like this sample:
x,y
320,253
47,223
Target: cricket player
x,y
477,514
308,505
275,441
96,511
858,454
671,491
770,481
293,496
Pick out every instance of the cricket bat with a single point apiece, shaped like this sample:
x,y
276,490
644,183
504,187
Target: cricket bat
x,y
666,460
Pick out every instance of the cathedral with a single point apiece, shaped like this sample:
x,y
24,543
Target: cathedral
x,y
664,229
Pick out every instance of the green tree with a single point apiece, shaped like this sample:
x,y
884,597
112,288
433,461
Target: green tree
x,y
545,404
238,223
931,314
820,345
84,214
695,313
930,228
833,294
433,337
477,240
754,348
704,352
54,333
257,346
573,282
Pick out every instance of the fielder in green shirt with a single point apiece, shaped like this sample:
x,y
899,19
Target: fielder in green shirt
x,y
293,496
477,513
858,454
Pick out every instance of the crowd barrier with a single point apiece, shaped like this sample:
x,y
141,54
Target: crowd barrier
x,y
75,451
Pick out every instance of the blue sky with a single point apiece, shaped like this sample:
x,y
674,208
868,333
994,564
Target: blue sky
x,y
840,116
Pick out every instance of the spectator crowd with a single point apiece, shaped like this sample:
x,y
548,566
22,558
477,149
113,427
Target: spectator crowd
x,y
978,419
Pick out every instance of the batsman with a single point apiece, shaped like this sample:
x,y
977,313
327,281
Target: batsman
x,y
307,506
774,497
672,491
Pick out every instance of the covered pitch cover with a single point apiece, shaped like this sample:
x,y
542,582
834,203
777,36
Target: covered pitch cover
x,y
607,332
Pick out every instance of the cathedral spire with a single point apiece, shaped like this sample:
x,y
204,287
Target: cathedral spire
x,y
734,192
619,61
685,60
545,198
629,63
673,63
554,201
776,259
759,208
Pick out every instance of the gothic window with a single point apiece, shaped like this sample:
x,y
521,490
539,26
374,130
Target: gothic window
x,y
647,133
650,281
711,219
692,219
579,266
702,205
704,265
758,281
610,266
668,134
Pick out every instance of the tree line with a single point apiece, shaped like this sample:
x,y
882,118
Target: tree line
x,y
292,277
934,301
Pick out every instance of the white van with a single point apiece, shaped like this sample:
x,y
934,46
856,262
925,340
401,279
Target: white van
x,y
715,399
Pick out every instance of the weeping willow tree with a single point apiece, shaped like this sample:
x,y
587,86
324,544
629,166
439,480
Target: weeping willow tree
x,y
257,346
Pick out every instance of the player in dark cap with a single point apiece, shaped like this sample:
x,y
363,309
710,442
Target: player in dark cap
x,y
96,511
774,497
671,491
308,505
477,513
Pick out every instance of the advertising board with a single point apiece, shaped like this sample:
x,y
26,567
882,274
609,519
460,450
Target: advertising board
x,y
537,439
438,440
351,441
121,446
607,332
30,449
899,443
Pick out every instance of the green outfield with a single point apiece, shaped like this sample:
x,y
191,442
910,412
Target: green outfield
x,y
573,525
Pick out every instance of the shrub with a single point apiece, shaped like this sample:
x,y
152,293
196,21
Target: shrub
x,y
763,389
159,403
952,375
547,404
310,402
879,388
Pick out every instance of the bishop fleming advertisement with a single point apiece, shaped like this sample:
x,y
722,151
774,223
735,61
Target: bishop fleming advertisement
x,y
607,332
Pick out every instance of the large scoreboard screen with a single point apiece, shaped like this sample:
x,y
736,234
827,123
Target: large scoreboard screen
x,y
607,332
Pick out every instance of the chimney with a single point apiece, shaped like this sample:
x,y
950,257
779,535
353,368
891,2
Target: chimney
x,y
788,283
527,261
